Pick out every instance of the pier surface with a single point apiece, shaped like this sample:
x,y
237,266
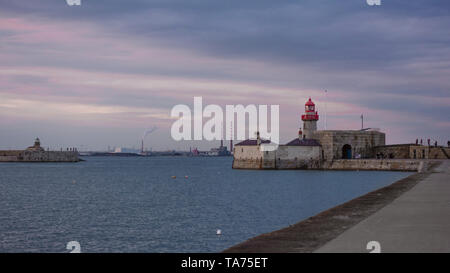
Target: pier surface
x,y
411,215
417,221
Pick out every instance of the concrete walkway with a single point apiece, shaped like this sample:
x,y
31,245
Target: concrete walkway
x,y
417,221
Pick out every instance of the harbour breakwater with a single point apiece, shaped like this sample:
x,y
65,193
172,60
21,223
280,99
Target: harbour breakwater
x,y
413,165
36,153
38,156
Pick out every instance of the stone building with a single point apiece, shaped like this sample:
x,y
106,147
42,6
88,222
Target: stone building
x,y
348,144
297,154
311,149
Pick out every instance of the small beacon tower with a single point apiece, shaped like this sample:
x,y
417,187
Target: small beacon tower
x,y
309,119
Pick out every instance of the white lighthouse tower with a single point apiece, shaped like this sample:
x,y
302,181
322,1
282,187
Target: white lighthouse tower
x,y
310,119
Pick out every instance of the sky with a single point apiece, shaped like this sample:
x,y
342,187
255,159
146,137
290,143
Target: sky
x,y
103,73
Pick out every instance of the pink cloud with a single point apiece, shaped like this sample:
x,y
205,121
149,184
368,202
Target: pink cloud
x,y
80,67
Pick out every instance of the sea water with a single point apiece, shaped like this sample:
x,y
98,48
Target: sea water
x,y
162,204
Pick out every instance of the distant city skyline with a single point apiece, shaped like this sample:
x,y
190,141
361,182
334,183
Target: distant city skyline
x,y
103,73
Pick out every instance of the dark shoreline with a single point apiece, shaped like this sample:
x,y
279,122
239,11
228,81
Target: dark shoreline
x,y
312,233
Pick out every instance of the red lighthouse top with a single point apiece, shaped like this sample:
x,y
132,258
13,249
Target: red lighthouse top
x,y
310,111
309,103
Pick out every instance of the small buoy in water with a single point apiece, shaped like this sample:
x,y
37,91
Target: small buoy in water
x,y
219,232
74,182
173,176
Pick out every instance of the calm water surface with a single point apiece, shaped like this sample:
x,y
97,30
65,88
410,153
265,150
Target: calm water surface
x,y
134,204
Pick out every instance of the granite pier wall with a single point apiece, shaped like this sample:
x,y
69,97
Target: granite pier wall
x,y
39,156
341,164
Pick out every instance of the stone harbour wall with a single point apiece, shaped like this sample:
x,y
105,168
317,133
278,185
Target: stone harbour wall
x,y
278,164
39,156
439,153
285,157
377,164
408,165
247,164
393,151
412,151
